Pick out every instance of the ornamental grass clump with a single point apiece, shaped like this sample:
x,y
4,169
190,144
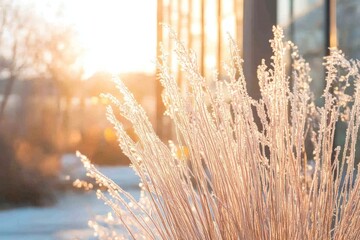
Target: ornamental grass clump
x,y
240,168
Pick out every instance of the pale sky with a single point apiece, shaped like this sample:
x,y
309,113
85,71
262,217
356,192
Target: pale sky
x,y
117,35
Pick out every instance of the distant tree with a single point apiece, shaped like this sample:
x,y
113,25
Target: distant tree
x,y
59,59
17,40
33,47
43,52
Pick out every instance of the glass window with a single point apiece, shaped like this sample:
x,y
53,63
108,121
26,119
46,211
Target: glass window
x,y
348,28
304,24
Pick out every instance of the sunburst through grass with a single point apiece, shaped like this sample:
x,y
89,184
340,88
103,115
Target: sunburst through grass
x,y
242,170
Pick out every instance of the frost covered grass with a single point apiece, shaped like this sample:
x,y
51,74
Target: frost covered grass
x,y
239,168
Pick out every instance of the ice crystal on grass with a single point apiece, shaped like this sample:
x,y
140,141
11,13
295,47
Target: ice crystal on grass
x,y
240,168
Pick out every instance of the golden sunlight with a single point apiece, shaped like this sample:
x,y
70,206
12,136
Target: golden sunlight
x,y
117,35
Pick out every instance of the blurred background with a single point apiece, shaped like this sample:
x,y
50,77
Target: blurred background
x,y
57,56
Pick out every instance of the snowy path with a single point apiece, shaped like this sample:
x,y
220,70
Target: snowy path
x,y
65,220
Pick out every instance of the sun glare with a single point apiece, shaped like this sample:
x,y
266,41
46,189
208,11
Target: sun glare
x,y
117,35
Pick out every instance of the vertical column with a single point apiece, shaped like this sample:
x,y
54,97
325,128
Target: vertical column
x,y
292,19
259,17
158,89
179,32
169,11
202,50
219,36
189,24
239,20
330,25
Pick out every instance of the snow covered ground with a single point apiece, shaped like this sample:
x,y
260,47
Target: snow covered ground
x,y
68,218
